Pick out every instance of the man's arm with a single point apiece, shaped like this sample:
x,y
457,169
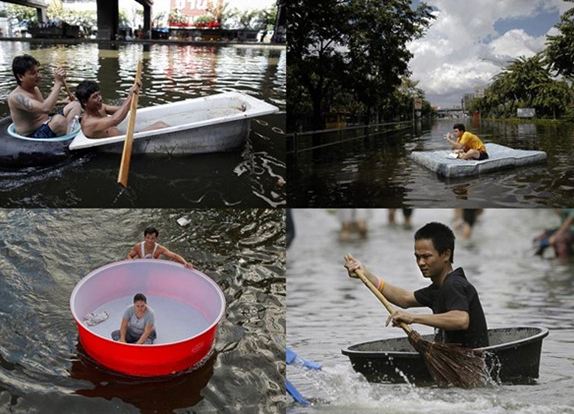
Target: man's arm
x,y
454,144
395,294
96,125
25,103
146,333
111,109
123,330
134,253
454,320
175,257
565,226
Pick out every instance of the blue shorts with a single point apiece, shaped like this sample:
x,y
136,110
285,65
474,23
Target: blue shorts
x,y
43,132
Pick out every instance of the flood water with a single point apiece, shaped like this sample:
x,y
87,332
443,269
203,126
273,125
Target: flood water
x,y
378,172
43,255
247,177
327,311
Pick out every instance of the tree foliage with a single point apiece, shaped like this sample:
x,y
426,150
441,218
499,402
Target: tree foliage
x,y
525,83
21,13
560,48
350,52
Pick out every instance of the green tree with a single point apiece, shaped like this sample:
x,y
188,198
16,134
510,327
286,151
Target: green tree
x,y
20,13
316,55
352,47
378,56
560,48
526,82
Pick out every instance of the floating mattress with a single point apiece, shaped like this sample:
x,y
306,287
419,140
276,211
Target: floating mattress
x,y
500,157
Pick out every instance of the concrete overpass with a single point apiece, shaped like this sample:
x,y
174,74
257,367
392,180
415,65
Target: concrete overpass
x,y
450,113
108,15
109,18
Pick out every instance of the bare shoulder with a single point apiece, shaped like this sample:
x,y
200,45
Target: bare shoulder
x,y
20,98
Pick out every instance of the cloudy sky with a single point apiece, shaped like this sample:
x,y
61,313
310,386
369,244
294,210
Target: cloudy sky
x,y
471,40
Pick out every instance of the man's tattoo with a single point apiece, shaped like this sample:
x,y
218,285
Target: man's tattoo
x,y
24,101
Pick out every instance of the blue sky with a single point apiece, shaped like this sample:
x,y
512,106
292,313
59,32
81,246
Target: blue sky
x,y
471,41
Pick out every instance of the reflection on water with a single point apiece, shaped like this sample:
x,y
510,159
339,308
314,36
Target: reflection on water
x,y
327,311
44,253
378,172
170,73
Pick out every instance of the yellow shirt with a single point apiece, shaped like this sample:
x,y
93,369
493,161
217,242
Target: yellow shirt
x,y
471,141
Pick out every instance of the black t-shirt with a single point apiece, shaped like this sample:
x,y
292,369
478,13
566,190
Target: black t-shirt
x,y
456,293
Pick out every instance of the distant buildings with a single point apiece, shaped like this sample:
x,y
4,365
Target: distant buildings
x,y
187,12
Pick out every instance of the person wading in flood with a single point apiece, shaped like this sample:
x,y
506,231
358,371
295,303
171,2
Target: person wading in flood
x,y
457,313
28,108
150,249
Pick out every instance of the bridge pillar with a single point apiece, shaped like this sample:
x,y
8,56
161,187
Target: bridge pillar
x,y
147,21
41,15
108,19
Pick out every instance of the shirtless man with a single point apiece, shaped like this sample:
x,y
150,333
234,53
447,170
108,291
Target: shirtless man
x,y
28,108
149,249
101,120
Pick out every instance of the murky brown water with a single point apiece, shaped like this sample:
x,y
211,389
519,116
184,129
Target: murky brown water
x,y
247,178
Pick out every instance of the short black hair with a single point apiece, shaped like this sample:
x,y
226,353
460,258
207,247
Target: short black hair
x,y
85,89
21,64
460,127
140,296
441,236
151,230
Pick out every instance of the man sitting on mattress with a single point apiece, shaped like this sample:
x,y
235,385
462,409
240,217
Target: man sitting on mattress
x,y
467,145
101,120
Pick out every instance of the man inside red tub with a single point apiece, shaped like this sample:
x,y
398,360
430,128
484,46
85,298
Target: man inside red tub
x,y
150,249
137,323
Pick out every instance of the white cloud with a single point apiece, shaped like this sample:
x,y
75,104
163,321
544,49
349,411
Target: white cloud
x,y
462,50
517,42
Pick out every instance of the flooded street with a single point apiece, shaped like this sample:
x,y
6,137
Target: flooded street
x,y
45,253
378,171
247,177
327,311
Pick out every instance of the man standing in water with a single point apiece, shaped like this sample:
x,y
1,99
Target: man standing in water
x,y
468,146
150,249
101,120
28,108
457,313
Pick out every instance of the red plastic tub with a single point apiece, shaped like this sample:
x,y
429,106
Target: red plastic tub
x,y
187,304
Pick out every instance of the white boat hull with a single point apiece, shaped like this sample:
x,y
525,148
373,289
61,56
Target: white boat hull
x,y
214,123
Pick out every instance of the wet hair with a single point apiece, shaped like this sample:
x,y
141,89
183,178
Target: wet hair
x,y
151,230
460,127
441,236
85,89
21,64
140,296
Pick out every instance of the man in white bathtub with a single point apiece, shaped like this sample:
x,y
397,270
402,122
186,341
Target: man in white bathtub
x,y
137,323
101,120
150,249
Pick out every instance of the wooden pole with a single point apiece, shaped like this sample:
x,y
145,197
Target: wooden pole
x,y
128,143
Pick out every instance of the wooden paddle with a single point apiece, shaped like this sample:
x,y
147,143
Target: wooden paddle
x,y
448,364
128,143
70,96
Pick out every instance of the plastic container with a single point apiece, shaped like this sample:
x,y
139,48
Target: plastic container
x,y
187,304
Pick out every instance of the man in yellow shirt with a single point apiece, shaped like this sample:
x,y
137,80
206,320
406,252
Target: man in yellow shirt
x,y
467,145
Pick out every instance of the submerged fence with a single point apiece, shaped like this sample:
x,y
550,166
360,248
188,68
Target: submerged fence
x,y
300,142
